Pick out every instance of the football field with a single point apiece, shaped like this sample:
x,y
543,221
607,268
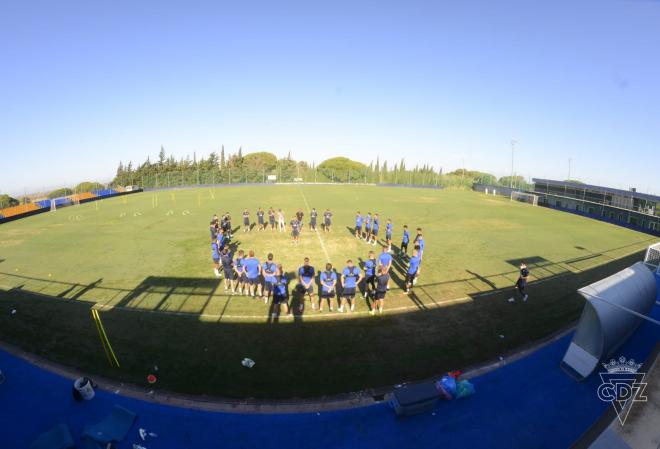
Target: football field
x,y
143,261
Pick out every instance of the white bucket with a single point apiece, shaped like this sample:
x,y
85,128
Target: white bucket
x,y
84,386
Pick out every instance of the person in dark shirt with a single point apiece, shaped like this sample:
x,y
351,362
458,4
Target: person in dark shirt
x,y
280,292
214,231
271,218
299,217
313,215
260,219
382,280
227,267
327,220
246,220
295,230
306,275
226,225
521,283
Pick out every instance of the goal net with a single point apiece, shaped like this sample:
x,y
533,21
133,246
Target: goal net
x,y
652,259
525,198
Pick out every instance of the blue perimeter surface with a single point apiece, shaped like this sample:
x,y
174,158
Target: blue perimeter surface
x,y
529,403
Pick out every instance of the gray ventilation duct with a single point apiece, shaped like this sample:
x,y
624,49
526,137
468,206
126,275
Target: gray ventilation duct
x,y
611,314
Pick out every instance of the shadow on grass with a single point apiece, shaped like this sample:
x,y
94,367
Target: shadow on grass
x,y
291,356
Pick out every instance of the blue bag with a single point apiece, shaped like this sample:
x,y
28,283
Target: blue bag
x,y
448,384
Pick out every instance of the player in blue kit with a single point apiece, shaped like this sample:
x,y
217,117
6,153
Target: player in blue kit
x,y
306,275
227,267
385,261
419,243
220,238
239,269
216,259
358,225
370,266
280,292
351,276
252,272
367,227
388,234
414,270
269,270
405,240
328,281
375,225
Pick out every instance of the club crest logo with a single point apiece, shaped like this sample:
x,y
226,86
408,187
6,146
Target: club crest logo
x,y
622,383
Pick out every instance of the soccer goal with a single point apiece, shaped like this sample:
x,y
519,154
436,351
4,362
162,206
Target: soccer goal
x,y
652,259
53,206
525,198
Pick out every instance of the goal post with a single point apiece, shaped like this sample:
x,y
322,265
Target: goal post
x,y
525,198
652,258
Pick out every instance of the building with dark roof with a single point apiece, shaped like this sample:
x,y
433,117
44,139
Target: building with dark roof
x,y
628,208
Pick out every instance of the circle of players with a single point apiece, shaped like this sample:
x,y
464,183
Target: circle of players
x,y
245,275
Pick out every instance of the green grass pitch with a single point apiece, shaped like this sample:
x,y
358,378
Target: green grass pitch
x,y
144,261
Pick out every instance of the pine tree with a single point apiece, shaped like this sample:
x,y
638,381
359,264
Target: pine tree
x,y
240,152
222,158
161,156
402,165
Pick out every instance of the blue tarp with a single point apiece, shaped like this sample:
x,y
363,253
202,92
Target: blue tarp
x,y
104,192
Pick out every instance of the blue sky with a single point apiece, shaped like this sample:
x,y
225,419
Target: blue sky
x,y
87,84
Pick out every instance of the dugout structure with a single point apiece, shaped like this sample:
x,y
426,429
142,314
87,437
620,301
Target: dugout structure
x,y
614,308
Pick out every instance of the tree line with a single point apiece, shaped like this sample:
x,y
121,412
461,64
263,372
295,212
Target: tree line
x,y
256,167
223,168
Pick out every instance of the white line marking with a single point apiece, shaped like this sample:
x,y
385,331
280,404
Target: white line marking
x,y
226,317
318,234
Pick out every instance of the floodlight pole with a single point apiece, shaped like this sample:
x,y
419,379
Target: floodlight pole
x,y
513,145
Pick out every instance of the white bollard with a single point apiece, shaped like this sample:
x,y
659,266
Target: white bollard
x,y
84,386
